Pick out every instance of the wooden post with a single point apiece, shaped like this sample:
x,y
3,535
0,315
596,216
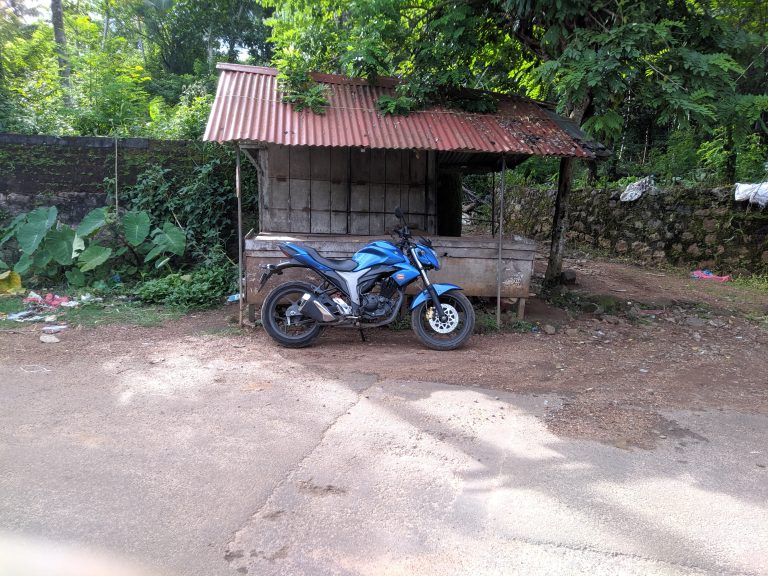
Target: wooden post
x,y
241,292
500,262
560,222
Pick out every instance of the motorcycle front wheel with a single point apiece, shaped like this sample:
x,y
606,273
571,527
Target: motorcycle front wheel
x,y
282,320
454,331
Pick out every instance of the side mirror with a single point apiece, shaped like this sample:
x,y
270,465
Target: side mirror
x,y
399,213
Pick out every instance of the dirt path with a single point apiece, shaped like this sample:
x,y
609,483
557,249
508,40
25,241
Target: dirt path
x,y
613,373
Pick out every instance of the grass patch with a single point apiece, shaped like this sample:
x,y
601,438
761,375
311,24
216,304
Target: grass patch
x,y
485,323
119,312
95,313
10,304
756,282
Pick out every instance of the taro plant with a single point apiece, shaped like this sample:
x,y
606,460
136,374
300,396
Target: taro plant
x,y
101,246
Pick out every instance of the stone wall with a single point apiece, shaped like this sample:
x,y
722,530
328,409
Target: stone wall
x,y
702,228
70,172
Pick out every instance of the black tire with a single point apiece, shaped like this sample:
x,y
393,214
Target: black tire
x,y
465,322
301,331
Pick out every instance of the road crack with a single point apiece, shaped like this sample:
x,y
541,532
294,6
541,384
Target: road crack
x,y
231,553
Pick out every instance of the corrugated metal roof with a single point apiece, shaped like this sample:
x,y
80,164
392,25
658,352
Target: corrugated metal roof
x,y
249,108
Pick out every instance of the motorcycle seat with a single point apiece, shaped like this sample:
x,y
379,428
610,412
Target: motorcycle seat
x,y
332,263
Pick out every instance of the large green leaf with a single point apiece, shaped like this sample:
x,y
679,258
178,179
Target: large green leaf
x,y
170,239
3,265
41,259
93,256
175,239
78,245
23,265
12,227
136,227
31,233
154,253
93,221
53,213
59,243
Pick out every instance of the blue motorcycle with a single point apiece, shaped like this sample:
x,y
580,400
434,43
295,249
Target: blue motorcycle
x,y
365,292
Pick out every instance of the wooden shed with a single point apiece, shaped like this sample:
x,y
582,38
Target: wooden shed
x,y
333,180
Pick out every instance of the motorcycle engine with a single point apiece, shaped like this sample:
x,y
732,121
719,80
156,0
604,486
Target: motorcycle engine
x,y
381,300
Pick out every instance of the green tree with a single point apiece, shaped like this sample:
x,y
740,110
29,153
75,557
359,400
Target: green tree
x,y
679,59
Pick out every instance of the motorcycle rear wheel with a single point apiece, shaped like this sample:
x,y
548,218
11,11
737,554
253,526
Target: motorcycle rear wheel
x,y
291,331
447,335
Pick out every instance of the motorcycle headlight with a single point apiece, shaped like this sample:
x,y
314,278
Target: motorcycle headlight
x,y
428,257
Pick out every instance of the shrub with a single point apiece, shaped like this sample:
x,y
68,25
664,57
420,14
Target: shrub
x,y
204,288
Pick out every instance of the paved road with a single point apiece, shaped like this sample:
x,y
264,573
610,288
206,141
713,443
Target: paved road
x,y
192,464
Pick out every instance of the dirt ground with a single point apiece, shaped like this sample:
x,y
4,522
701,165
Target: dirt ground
x,y
630,343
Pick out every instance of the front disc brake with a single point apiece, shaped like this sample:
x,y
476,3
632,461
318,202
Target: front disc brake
x,y
451,319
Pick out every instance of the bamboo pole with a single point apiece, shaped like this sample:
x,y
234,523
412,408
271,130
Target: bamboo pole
x,y
241,296
499,262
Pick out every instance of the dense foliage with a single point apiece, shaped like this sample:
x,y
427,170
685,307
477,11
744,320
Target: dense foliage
x,y
650,79
676,87
103,245
132,67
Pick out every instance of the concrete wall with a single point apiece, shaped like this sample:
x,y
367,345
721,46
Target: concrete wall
x,y
70,172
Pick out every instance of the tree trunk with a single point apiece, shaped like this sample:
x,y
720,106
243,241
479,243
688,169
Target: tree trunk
x,y
730,160
105,29
560,221
57,19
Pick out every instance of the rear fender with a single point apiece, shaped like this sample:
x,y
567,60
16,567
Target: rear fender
x,y
268,270
439,288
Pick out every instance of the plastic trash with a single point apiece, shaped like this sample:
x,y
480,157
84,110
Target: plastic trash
x,y
55,329
10,283
754,193
26,316
88,298
50,300
233,298
707,275
637,189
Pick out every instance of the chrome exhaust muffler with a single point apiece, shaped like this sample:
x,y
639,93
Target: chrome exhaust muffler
x,y
312,307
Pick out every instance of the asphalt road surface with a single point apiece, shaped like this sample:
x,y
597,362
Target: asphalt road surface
x,y
176,459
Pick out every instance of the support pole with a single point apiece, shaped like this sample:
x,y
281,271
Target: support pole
x,y
241,295
499,262
117,206
493,203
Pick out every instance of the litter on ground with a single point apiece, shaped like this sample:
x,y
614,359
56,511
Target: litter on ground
x,y
707,275
49,300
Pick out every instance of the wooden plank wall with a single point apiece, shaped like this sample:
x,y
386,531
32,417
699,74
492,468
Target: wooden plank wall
x,y
311,190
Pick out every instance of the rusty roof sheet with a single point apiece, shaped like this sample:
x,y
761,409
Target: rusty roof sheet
x,y
249,109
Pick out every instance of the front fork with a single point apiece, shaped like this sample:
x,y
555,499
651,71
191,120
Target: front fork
x,y
428,285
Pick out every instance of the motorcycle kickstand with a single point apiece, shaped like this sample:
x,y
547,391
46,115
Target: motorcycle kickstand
x,y
362,335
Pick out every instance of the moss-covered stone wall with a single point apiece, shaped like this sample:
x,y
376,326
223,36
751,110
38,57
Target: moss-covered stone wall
x,y
70,172
702,228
